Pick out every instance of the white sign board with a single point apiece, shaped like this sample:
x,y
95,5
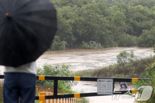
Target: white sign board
x,y
105,86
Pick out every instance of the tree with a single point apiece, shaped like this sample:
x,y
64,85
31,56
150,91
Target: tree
x,y
147,39
106,22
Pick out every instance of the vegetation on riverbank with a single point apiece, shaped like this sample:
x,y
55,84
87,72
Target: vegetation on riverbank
x,y
104,23
122,69
149,73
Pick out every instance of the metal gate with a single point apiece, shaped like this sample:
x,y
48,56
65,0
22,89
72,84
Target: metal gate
x,y
103,84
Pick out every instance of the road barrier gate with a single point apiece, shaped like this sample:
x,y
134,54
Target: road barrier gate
x,y
105,86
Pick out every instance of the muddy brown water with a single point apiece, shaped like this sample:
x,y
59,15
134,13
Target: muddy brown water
x,y
81,59
89,59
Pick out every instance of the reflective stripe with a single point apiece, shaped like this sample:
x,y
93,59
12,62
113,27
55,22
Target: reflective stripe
x,y
41,77
77,95
77,78
42,97
134,91
134,80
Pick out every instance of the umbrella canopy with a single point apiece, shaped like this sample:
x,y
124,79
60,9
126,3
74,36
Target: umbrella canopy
x,y
27,28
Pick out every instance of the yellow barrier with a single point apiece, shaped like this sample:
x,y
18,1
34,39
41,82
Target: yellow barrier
x,y
77,78
134,91
42,97
77,95
135,80
41,77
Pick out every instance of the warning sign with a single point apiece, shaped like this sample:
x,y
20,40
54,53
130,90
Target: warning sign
x,y
105,86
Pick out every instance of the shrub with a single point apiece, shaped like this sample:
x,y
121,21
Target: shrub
x,y
58,44
150,73
59,70
125,57
91,45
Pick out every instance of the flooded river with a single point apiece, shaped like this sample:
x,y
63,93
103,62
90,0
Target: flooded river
x,y
89,59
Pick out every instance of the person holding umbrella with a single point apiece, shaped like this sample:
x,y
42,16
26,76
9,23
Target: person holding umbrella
x,y
27,28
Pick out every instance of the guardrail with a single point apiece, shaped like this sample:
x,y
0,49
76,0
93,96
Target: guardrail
x,y
103,84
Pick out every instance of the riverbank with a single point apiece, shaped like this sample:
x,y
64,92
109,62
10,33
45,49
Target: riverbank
x,y
136,67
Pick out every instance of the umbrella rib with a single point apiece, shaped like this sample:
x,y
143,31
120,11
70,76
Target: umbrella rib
x,y
1,10
1,23
33,11
37,22
15,4
2,7
20,25
2,28
39,7
22,6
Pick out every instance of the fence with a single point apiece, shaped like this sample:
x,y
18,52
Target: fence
x,y
44,97
58,100
48,92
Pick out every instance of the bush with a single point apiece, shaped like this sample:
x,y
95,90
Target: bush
x,y
150,73
125,57
91,45
59,70
58,44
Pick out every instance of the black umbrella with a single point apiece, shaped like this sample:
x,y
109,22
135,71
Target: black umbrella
x,y
27,28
